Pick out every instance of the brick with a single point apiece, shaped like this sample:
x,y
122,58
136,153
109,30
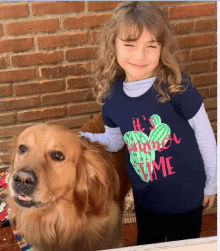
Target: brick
x,y
95,34
195,40
24,27
181,27
50,57
202,53
212,115
213,91
102,5
17,75
85,21
5,144
8,118
43,113
71,122
215,38
198,67
192,10
64,70
204,92
166,2
45,8
18,103
10,131
72,96
210,104
42,87
214,65
205,25
1,32
76,83
80,53
84,108
163,2
16,45
5,91
207,79
3,62
62,40
13,11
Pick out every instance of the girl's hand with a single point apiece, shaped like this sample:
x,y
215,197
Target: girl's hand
x,y
208,201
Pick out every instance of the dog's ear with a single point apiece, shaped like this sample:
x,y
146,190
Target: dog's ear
x,y
97,180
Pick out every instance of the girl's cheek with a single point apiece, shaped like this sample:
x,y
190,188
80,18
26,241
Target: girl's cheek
x,y
153,55
124,53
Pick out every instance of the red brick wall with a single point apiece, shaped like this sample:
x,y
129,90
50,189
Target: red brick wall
x,y
46,48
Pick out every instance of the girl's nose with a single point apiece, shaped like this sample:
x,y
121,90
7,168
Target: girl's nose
x,y
139,54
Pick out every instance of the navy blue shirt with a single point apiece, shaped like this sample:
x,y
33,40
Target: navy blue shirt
x,y
163,161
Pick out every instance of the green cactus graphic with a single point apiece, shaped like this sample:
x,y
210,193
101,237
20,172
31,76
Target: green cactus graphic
x,y
159,133
156,119
140,153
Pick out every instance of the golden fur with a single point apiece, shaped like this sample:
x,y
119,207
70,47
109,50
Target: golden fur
x,y
79,200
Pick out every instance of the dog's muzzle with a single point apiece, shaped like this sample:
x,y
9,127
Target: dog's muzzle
x,y
24,184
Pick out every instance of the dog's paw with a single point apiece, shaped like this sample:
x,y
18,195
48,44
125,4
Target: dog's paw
x,y
129,202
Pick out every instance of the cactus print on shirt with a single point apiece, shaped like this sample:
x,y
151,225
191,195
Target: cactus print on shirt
x,y
142,148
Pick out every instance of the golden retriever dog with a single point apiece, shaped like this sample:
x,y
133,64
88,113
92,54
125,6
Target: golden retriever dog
x,y
66,193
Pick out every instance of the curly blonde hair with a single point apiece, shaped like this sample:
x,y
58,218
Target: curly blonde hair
x,y
125,18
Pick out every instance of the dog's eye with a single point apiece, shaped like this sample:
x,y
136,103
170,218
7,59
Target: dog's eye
x,y
58,156
22,149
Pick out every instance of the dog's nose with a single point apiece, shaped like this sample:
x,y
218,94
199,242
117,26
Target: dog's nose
x,y
25,180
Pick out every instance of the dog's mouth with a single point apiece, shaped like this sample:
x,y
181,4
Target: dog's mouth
x,y
25,201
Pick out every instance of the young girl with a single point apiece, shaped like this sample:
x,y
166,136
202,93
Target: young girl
x,y
148,104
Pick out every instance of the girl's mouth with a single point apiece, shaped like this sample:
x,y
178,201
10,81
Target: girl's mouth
x,y
139,66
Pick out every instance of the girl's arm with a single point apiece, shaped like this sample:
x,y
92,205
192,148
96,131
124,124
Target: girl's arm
x,y
112,138
207,146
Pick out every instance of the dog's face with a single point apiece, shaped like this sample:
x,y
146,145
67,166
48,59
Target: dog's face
x,y
59,185
44,165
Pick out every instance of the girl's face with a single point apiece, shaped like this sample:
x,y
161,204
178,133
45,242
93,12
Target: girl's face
x,y
138,58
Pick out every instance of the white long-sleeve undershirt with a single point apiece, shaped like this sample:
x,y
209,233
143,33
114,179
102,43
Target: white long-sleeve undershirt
x,y
200,124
